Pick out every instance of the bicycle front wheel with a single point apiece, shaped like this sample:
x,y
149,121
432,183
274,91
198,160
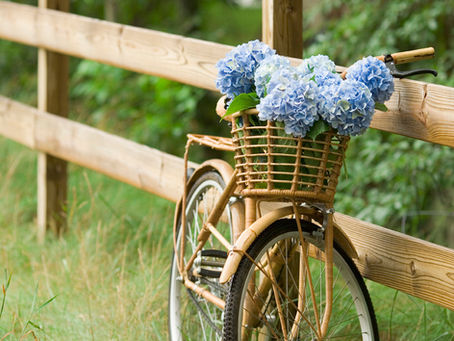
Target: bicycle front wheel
x,y
192,317
279,296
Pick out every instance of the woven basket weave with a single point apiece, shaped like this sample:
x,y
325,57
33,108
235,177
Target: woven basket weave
x,y
273,164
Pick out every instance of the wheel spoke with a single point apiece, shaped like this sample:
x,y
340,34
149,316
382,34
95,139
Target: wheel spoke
x,y
284,294
192,317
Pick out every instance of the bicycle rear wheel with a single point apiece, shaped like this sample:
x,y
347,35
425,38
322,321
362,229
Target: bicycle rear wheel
x,y
258,310
191,317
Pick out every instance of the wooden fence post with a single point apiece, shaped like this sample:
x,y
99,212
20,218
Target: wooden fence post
x,y
53,80
282,26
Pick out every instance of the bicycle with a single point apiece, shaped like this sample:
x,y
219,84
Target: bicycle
x,y
288,274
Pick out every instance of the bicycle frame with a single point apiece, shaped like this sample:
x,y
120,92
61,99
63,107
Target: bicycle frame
x,y
249,227
251,224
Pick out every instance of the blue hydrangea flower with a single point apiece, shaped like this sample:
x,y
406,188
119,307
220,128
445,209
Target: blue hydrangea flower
x,y
282,78
236,70
294,103
266,69
326,82
375,75
347,107
324,77
319,62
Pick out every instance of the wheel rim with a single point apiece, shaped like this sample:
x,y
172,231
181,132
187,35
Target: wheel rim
x,y
350,318
190,316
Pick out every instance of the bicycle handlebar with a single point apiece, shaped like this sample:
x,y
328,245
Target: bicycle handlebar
x,y
405,57
410,56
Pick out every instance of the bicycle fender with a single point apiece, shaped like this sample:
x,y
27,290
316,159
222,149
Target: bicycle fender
x,y
252,232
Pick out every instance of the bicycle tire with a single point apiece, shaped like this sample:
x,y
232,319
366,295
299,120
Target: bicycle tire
x,y
190,316
357,323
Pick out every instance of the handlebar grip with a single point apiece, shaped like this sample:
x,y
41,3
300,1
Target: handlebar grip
x,y
411,56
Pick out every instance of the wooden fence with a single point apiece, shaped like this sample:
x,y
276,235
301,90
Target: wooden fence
x,y
420,110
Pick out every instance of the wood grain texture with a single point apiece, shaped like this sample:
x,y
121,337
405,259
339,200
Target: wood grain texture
x,y
146,51
135,164
282,26
420,110
414,266
408,264
53,93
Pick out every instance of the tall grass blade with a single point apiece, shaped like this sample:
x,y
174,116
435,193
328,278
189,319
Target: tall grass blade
x,y
34,324
32,310
30,332
6,335
390,327
4,290
47,302
425,322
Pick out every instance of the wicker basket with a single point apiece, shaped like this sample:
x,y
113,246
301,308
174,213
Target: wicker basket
x,y
272,164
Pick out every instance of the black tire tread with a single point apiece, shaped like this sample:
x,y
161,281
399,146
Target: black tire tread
x,y
236,283
209,175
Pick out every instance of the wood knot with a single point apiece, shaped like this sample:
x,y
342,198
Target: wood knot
x,y
412,268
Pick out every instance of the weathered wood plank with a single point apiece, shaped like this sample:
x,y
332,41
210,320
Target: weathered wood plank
x,y
282,26
146,51
419,110
414,266
53,92
135,164
408,264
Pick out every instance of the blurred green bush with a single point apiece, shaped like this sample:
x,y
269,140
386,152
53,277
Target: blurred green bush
x,y
392,180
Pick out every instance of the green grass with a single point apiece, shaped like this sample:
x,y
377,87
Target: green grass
x,y
106,279
108,274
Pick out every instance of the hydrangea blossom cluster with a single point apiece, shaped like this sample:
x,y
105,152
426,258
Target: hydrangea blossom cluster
x,y
237,69
266,69
347,107
375,75
295,104
316,63
300,96
282,79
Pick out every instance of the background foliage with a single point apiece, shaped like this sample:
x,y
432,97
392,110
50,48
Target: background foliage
x,y
391,180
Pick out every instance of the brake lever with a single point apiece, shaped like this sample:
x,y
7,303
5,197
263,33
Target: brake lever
x,y
389,62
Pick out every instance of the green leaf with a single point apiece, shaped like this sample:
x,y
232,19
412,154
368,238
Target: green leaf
x,y
242,102
356,114
381,107
318,128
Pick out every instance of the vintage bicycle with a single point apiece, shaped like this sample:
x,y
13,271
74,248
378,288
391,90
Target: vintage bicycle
x,y
257,254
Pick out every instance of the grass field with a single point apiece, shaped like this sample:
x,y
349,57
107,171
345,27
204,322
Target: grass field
x,y
106,279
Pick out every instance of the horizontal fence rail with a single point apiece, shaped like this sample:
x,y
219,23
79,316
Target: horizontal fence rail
x,y
175,57
414,266
417,109
402,262
133,163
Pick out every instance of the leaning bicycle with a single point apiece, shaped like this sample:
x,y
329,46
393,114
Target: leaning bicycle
x,y
257,253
